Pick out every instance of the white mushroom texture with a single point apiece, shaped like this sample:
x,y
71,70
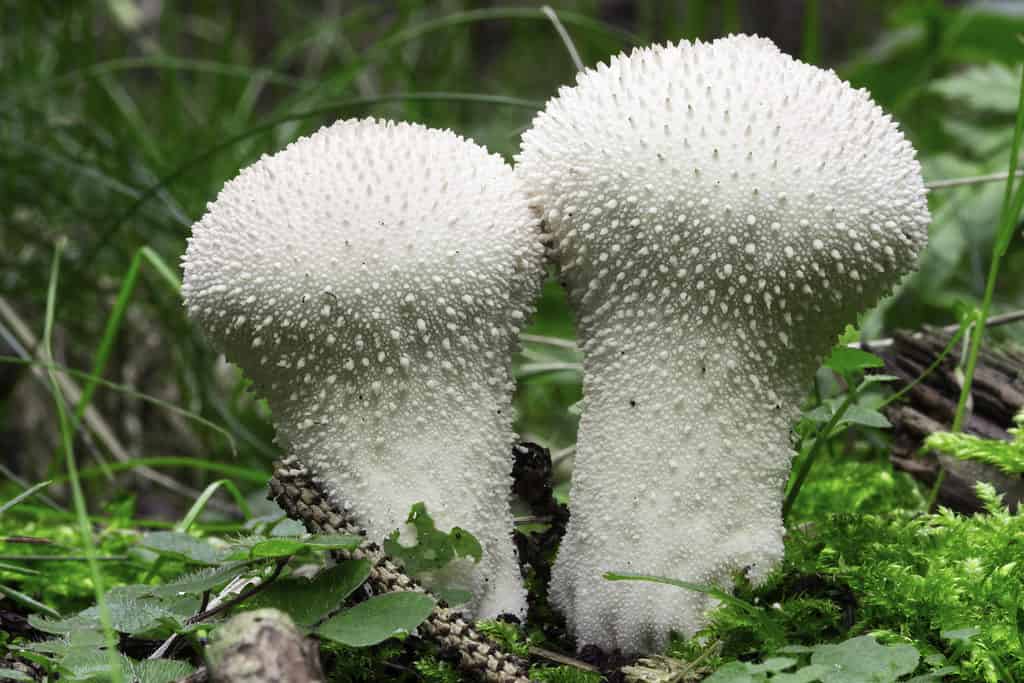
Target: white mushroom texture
x,y
372,280
720,211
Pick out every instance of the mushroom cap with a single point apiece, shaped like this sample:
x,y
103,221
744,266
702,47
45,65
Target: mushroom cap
x,y
372,279
371,227
731,174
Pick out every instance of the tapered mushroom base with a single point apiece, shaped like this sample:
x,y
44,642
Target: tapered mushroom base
x,y
695,494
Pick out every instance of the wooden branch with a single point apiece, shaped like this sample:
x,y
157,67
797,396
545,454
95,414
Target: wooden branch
x,y
997,395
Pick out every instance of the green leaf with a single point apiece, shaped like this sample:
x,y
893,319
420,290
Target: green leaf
x,y
845,359
773,664
284,546
201,580
379,618
992,87
452,596
182,546
735,672
433,548
961,635
132,610
862,659
820,414
860,415
307,601
28,601
24,495
807,674
465,544
14,675
158,670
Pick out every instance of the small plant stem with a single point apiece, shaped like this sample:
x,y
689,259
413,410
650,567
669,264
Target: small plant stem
x,y
559,658
570,46
927,371
969,180
805,466
113,325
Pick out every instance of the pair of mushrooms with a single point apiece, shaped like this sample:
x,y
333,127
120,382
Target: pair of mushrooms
x,y
719,211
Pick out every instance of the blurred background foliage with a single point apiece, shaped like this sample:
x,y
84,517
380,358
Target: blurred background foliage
x,y
121,119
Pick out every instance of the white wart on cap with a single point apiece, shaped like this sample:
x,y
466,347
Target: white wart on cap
x,y
372,280
720,212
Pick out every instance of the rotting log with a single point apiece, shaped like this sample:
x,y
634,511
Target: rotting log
x,y
997,395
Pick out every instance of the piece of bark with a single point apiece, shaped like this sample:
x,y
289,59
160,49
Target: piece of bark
x,y
262,646
302,499
997,393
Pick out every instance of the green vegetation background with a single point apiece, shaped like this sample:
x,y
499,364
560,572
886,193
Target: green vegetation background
x,y
118,124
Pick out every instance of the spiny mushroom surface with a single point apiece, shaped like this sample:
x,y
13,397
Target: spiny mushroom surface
x,y
372,280
720,212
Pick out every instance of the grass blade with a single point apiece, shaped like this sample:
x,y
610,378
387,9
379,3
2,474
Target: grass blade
x,y
28,493
197,508
113,325
84,526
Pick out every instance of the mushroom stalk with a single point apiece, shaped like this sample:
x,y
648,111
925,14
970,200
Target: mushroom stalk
x,y
372,280
720,212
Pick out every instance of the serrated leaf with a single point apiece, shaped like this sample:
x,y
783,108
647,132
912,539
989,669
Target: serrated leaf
x,y
845,359
158,670
57,627
990,87
379,618
200,581
307,601
863,659
183,547
132,611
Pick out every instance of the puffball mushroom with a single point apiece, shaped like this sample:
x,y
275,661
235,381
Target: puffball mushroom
x,y
720,212
372,280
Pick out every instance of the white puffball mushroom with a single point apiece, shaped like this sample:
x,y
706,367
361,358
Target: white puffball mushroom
x,y
720,212
372,280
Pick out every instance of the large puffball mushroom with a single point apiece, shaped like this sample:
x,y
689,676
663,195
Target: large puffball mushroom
x,y
372,280
720,212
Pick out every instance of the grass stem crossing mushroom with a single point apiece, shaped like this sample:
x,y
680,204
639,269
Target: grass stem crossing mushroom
x,y
372,280
720,211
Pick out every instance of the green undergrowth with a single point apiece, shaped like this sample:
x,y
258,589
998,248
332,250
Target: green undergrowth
x,y
948,585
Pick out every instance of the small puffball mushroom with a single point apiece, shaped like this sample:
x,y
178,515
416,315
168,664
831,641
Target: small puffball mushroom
x,y
372,280
720,212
